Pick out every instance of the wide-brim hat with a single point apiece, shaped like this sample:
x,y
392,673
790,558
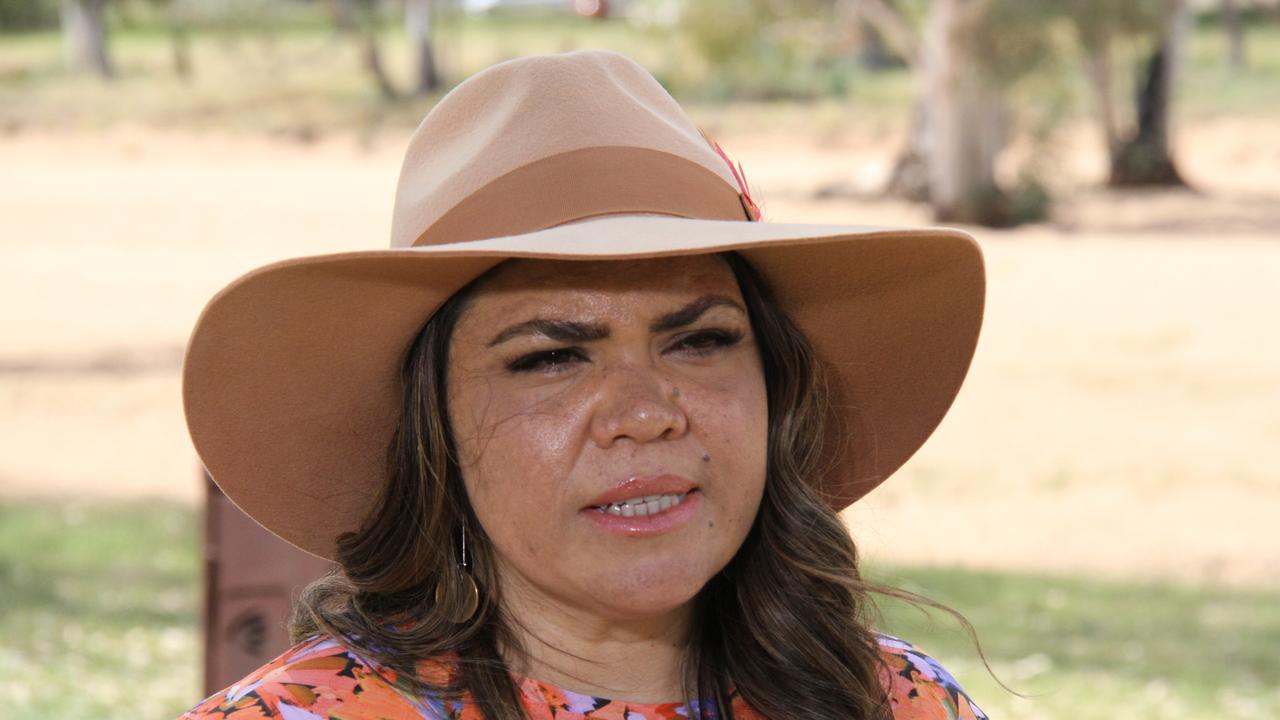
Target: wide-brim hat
x,y
291,379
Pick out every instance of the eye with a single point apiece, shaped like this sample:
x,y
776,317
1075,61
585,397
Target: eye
x,y
704,342
546,360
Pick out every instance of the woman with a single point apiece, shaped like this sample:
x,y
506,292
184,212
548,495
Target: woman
x,y
577,441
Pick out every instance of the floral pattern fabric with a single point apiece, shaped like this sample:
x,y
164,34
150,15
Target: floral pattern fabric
x,y
321,679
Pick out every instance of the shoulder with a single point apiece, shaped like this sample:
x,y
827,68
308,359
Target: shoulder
x,y
920,688
317,678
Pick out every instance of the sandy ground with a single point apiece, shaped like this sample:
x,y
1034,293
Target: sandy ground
x,y
1122,415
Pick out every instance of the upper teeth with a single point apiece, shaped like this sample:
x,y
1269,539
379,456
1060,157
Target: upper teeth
x,y
646,505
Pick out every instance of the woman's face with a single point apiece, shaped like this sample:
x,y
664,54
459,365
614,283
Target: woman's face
x,y
578,389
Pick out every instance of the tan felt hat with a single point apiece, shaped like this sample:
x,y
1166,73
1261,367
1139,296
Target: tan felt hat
x,y
291,378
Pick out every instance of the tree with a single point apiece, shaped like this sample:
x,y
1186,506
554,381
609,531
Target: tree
x,y
961,119
762,49
910,176
417,22
28,14
361,16
179,33
1145,158
890,30
967,117
84,33
1140,154
177,15
1235,33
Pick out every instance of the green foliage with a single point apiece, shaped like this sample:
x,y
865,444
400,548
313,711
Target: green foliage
x,y
763,49
1252,14
1016,37
18,15
751,46
1029,200
1013,37
1097,20
234,16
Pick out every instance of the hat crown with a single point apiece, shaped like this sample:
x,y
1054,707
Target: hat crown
x,y
542,140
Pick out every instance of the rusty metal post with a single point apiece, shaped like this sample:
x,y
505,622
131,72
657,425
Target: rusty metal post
x,y
251,578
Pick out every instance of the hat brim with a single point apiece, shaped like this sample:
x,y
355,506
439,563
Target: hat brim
x,y
291,376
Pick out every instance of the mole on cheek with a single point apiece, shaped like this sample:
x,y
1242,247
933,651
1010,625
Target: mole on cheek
x,y
706,457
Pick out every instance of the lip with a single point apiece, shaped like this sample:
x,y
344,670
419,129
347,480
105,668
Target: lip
x,y
652,524
657,523
665,484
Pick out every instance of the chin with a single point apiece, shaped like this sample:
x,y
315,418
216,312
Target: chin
x,y
652,591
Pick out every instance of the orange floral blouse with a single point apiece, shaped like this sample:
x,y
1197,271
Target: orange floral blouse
x,y
319,679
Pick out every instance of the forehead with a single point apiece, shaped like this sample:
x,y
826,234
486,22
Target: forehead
x,y
635,283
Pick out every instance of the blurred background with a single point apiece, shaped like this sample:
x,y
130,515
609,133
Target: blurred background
x,y
1101,502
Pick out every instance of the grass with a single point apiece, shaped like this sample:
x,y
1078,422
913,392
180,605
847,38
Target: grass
x,y
1082,648
1210,87
100,610
102,602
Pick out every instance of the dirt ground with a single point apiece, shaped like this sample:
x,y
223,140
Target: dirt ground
x,y
1122,415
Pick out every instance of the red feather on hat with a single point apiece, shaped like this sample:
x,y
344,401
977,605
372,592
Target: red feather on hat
x,y
748,204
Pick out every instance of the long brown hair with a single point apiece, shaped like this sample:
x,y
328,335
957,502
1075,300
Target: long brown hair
x,y
787,624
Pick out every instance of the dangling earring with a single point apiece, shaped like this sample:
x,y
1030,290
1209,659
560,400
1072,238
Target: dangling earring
x,y
468,592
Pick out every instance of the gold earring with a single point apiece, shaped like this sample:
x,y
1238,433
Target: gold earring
x,y
468,593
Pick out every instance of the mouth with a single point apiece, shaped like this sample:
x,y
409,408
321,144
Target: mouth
x,y
644,495
646,507
643,505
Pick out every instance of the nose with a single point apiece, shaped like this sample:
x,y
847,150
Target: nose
x,y
637,404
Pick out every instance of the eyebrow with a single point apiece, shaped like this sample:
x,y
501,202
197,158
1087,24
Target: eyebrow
x,y
577,332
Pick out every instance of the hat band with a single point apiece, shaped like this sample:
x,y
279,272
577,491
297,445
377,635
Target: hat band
x,y
582,183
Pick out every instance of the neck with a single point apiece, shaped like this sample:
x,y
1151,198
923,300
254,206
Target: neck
x,y
587,650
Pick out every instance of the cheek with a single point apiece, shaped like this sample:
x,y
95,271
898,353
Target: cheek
x,y
733,427
515,453
493,425
737,407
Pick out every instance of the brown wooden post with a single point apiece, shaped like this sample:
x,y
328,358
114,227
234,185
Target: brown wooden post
x,y
251,578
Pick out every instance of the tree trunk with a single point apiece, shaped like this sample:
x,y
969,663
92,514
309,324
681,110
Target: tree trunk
x,y
874,54
417,22
181,51
181,40
909,179
1145,157
967,123
340,11
889,24
373,62
365,13
1098,68
84,32
1235,34
894,35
